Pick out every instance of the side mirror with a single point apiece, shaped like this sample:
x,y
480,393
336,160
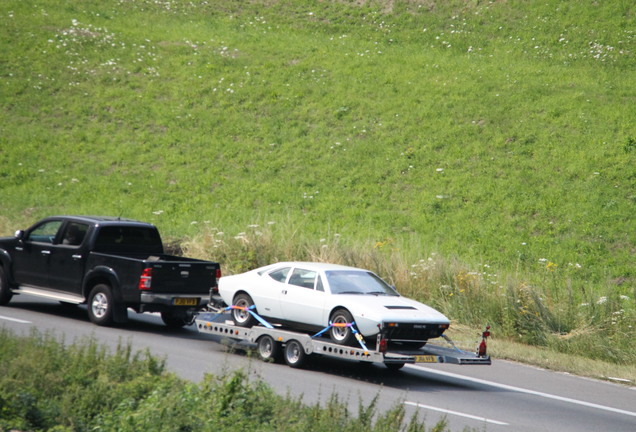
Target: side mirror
x,y
19,234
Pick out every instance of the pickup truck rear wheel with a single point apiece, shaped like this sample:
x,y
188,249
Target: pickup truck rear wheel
x,y
101,305
241,316
5,291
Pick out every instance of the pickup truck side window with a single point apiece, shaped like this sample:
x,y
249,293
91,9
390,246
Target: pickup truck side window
x,y
138,240
74,234
44,233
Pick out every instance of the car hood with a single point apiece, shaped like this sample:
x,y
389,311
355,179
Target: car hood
x,y
390,308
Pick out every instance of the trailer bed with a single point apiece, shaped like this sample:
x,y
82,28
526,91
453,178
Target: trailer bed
x,y
301,345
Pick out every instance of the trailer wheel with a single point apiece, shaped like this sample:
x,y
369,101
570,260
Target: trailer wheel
x,y
394,366
5,291
268,348
294,354
101,305
341,335
242,317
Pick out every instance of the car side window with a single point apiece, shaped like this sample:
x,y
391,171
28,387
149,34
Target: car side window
x,y
74,234
319,285
45,233
280,275
303,278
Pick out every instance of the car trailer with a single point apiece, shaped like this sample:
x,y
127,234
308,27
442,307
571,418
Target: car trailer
x,y
293,346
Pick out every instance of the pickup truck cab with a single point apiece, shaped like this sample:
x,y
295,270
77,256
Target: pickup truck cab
x,y
109,264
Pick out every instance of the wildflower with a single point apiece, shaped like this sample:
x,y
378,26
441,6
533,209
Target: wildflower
x,y
602,300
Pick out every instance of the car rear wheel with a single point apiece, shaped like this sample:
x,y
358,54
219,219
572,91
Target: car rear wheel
x,y
343,334
242,317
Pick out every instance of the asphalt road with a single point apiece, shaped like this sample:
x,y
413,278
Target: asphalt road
x,y
502,397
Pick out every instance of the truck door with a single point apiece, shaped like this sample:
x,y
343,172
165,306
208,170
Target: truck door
x,y
67,259
32,255
303,299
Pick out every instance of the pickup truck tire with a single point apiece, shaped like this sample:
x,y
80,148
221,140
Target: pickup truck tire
x,y
5,291
341,335
241,316
175,320
294,354
101,305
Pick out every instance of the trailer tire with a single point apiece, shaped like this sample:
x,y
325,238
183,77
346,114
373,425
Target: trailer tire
x,y
268,348
241,317
294,354
5,290
342,335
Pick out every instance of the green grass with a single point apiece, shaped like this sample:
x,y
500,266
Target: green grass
x,y
496,138
50,385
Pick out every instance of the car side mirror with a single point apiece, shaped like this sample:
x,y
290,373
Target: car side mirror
x,y
19,234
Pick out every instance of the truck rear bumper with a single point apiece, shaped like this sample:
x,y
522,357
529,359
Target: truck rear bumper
x,y
151,302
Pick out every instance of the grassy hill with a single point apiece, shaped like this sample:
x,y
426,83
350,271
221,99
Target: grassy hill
x,y
480,155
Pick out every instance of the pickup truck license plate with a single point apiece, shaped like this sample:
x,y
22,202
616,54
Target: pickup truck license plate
x,y
425,359
185,301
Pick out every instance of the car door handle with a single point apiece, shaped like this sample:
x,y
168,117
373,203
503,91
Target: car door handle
x,y
284,292
46,252
76,257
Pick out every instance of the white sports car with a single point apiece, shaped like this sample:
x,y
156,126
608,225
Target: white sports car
x,y
311,296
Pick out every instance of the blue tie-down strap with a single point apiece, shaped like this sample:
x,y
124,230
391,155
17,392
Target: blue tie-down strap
x,y
356,333
254,314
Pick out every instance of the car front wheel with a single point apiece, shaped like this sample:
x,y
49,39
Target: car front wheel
x,y
341,333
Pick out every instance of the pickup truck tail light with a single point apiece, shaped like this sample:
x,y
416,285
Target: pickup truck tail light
x,y
218,274
145,280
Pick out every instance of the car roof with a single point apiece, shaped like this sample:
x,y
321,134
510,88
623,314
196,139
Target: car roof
x,y
317,266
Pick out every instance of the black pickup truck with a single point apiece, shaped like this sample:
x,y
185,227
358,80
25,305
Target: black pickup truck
x,y
110,264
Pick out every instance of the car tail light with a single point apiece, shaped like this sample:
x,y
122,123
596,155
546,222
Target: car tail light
x,y
218,273
383,345
145,280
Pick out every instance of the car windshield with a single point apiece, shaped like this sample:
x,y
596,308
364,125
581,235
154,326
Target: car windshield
x,y
357,282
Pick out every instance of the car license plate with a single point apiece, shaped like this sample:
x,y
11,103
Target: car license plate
x,y
185,301
425,359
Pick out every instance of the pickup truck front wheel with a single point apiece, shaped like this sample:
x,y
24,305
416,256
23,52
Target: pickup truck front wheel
x,y
5,291
101,305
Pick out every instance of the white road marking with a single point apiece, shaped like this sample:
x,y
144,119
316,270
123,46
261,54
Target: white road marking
x,y
457,413
6,318
531,392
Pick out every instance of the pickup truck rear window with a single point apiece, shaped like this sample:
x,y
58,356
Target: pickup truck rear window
x,y
134,240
